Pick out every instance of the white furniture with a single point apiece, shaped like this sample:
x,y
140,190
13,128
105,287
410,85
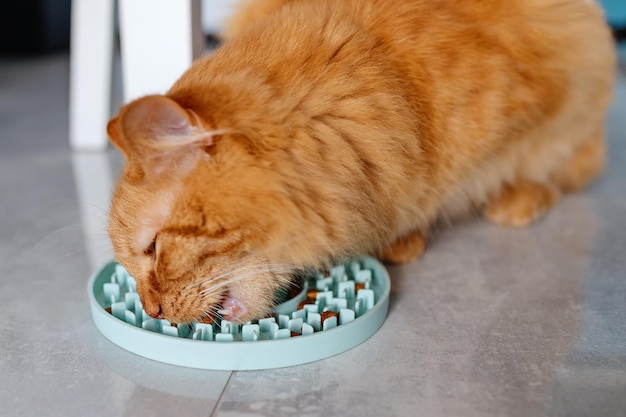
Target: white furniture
x,y
159,39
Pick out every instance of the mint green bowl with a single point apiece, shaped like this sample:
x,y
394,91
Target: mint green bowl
x,y
228,347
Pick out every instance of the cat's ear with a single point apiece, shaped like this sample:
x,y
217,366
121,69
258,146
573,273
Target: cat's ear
x,y
152,129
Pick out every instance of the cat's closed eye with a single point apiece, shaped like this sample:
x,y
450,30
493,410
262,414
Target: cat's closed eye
x,y
151,249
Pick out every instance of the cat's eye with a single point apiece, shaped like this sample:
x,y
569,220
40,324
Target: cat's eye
x,y
150,249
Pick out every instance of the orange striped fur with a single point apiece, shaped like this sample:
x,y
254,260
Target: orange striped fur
x,y
323,129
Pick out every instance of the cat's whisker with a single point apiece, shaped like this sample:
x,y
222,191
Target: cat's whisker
x,y
211,312
241,276
216,287
224,274
233,269
54,234
207,312
212,289
242,272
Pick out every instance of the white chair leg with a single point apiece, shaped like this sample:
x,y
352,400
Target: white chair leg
x,y
90,73
159,40
94,183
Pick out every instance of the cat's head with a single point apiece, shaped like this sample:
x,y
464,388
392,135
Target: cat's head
x,y
191,214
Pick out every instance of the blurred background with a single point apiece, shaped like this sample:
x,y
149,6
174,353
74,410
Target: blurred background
x,y
43,26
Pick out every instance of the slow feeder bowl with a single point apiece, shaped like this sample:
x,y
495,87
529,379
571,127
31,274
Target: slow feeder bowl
x,y
357,290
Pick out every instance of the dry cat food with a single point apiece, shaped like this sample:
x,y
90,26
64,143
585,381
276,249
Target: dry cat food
x,y
327,300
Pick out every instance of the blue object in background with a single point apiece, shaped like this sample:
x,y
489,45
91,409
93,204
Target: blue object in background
x,y
615,12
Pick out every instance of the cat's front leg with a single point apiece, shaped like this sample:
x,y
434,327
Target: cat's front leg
x,y
525,202
521,204
406,249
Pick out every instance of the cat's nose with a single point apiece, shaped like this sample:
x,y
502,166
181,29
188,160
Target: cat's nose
x,y
154,310
152,307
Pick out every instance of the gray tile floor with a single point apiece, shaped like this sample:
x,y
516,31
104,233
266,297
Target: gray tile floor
x,y
490,322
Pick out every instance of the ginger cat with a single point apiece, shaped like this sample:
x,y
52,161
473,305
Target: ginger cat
x,y
324,129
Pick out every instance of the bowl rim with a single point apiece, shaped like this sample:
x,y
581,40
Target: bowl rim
x,y
240,355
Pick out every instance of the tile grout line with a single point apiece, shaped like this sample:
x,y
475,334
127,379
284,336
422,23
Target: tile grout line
x,y
218,403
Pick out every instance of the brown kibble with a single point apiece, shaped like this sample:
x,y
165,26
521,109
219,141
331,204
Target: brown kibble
x,y
359,286
205,320
311,294
305,302
294,334
328,314
108,310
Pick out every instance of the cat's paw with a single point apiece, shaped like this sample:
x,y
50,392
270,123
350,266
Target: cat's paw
x,y
521,204
405,249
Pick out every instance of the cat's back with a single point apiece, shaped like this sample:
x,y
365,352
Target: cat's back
x,y
424,22
475,71
441,56
436,42
570,31
534,52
